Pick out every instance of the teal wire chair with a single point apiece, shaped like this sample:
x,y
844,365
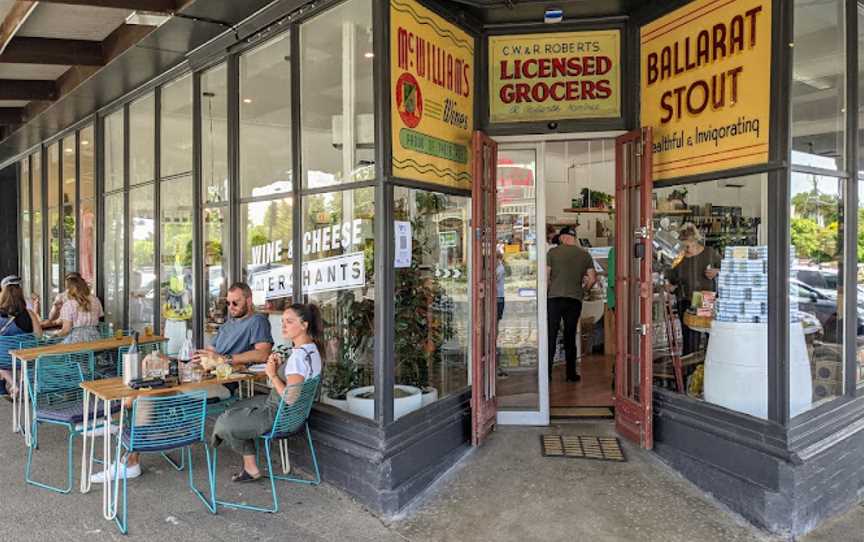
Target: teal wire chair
x,y
161,424
58,399
290,419
15,342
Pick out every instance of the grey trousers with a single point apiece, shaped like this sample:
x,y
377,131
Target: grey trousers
x,y
242,424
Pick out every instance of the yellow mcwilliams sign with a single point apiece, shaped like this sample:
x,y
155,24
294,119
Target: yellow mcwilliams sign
x,y
706,86
432,96
569,75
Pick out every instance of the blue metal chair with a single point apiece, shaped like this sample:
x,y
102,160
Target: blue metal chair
x,y
58,399
291,418
15,342
161,424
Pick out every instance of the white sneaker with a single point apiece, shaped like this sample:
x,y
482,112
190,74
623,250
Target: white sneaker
x,y
99,431
132,471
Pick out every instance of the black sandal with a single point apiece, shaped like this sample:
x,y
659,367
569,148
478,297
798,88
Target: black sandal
x,y
243,477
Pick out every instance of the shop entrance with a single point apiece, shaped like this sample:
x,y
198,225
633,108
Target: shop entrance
x,y
544,185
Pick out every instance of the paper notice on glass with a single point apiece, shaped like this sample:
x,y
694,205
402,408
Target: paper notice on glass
x,y
402,257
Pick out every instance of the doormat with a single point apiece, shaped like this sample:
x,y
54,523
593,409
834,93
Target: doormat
x,y
580,412
582,446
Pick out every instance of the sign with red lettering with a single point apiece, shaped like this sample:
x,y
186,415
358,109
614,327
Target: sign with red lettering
x,y
706,86
432,96
541,77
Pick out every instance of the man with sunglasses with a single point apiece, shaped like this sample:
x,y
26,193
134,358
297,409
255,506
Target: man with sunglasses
x,y
245,338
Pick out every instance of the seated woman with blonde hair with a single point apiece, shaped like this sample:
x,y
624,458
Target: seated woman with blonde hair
x,y
80,312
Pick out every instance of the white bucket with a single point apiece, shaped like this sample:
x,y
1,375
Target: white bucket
x,y
736,369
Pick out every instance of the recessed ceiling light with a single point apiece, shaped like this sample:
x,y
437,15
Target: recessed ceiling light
x,y
68,151
247,100
369,55
85,142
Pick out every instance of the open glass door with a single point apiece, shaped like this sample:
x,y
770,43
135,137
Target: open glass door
x,y
483,292
633,365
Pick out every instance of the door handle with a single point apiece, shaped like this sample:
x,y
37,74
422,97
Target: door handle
x,y
641,329
642,233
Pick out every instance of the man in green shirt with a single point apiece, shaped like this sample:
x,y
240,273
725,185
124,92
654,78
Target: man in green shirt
x,y
571,275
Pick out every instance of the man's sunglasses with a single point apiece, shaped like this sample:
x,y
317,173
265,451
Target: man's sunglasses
x,y
234,303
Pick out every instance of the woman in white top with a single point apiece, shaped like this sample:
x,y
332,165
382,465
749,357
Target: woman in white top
x,y
287,369
80,312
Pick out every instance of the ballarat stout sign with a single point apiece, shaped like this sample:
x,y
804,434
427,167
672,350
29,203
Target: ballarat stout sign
x,y
706,86
432,96
540,77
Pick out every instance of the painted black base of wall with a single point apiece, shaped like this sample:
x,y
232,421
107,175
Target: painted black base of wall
x,y
771,487
385,469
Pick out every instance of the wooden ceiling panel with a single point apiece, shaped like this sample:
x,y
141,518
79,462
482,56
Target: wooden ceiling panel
x,y
22,89
25,50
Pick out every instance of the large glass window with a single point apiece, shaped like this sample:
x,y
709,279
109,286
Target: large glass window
x,y
819,82
115,258
431,296
176,252
217,251
710,310
142,264
338,252
25,233
87,207
335,149
53,220
265,118
266,255
142,136
38,252
214,134
69,204
175,156
859,366
113,157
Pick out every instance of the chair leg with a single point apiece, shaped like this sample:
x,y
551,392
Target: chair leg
x,y
28,469
211,503
122,518
179,466
317,479
227,504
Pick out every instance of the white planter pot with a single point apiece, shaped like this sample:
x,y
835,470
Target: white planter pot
x,y
430,395
341,404
401,406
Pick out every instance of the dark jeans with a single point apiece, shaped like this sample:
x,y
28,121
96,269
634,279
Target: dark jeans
x,y
689,337
558,308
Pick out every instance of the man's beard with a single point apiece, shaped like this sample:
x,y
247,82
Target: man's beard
x,y
243,313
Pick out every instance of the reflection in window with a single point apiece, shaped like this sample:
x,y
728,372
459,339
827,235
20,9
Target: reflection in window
x,y
338,264
816,287
142,264
265,119
819,82
175,271
431,296
335,150
87,207
115,259
113,151
176,128
38,250
217,250
53,220
214,134
142,134
266,257
70,213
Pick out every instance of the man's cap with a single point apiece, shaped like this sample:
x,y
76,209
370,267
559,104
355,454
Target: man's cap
x,y
11,280
568,230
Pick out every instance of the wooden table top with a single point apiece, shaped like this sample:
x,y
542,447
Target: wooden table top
x,y
113,389
30,354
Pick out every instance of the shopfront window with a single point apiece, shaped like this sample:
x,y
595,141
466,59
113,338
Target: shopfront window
x,y
36,176
69,204
113,156
819,83
175,270
431,296
217,250
115,258
142,135
53,220
214,134
87,207
710,310
859,345
142,264
265,119
336,80
24,234
175,157
338,276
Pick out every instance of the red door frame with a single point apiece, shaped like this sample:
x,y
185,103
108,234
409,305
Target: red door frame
x,y
484,326
633,287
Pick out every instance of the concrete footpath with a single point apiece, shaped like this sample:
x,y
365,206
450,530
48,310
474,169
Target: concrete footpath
x,y
504,491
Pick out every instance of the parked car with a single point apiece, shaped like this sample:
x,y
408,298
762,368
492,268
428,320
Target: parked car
x,y
823,305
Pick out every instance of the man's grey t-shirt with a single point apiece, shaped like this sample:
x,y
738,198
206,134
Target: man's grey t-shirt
x,y
567,267
241,335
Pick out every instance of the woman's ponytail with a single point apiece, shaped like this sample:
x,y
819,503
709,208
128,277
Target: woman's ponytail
x,y
311,314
